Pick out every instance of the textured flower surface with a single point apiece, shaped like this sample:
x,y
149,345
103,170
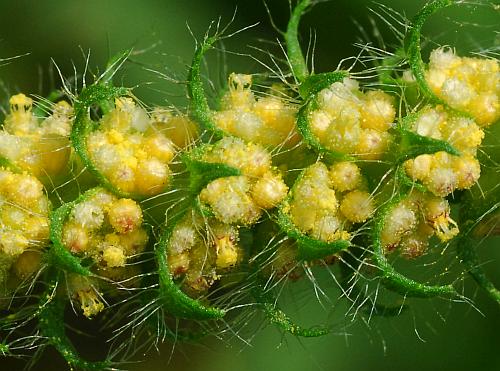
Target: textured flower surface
x,y
375,184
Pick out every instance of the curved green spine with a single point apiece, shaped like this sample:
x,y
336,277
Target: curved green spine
x,y
394,280
175,301
172,297
200,110
413,49
52,326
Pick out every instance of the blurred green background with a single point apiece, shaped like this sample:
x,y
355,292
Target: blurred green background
x,y
435,335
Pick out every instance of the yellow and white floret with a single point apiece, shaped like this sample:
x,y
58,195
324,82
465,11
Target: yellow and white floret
x,y
133,149
267,120
441,172
41,147
470,85
326,202
411,222
242,199
105,228
24,222
349,121
200,250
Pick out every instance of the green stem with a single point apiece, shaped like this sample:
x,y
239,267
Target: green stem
x,y
468,256
413,48
200,110
293,49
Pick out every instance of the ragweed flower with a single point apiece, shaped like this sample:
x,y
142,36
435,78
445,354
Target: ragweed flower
x,y
470,85
24,213
106,228
351,122
35,145
201,250
441,172
84,291
242,199
133,150
267,120
412,221
323,211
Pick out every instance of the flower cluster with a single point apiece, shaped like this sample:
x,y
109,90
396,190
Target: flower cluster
x,y
325,202
106,228
242,199
267,120
471,85
178,219
441,172
200,250
133,150
352,122
35,145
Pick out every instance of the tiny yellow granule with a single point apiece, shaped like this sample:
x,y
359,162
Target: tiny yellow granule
x,y
349,121
467,84
269,120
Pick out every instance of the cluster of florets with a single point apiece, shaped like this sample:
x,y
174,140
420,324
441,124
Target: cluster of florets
x,y
24,220
412,221
200,250
106,228
267,120
470,85
133,149
35,145
242,199
325,203
441,172
349,121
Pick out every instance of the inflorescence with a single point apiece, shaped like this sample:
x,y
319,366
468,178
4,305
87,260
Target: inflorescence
x,y
163,224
